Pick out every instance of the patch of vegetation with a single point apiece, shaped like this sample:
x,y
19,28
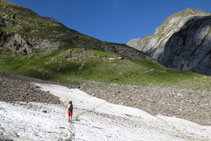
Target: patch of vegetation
x,y
77,63
70,63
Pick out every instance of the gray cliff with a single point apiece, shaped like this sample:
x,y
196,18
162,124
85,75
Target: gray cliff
x,y
183,41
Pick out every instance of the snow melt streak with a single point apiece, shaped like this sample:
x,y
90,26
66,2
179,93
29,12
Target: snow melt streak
x,y
100,120
32,121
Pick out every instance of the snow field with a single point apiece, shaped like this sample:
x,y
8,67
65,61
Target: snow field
x,y
118,122
95,119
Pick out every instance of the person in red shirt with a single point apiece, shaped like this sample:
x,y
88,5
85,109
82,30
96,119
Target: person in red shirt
x,y
70,111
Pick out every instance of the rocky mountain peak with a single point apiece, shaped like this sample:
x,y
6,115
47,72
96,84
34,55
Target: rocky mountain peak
x,y
191,26
190,12
172,24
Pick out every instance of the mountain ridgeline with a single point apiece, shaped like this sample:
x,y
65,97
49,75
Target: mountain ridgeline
x,y
23,31
183,42
40,47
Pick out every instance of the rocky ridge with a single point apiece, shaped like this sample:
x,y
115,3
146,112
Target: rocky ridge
x,y
23,31
191,47
182,42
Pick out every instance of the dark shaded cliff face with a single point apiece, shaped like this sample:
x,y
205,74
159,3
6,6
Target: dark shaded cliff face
x,y
181,42
190,48
23,31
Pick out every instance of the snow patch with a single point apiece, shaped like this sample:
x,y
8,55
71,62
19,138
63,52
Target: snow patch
x,y
95,119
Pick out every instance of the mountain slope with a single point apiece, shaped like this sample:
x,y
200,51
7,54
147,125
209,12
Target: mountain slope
x,y
24,31
180,41
191,47
43,48
78,63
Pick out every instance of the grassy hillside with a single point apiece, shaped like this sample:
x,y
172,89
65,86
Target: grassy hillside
x,y
31,26
78,63
74,58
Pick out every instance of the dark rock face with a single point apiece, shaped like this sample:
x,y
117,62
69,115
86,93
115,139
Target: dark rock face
x,y
190,48
22,30
3,37
125,50
116,48
183,41
16,43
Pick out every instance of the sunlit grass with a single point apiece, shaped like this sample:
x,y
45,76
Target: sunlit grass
x,y
94,65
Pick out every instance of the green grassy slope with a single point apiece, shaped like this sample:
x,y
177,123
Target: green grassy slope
x,y
72,63
78,63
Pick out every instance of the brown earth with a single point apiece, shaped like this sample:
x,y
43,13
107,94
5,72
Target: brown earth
x,y
19,88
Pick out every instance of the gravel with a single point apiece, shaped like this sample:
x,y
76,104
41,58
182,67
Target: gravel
x,y
193,105
19,88
183,103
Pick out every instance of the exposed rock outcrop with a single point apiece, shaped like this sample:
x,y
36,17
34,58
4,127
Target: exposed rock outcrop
x,y
125,50
22,31
16,43
190,48
139,43
182,42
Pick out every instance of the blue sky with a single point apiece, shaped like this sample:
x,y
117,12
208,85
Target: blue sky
x,y
112,20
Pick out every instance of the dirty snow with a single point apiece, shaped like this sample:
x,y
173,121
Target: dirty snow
x,y
94,119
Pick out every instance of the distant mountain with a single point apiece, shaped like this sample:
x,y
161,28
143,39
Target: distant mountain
x,y
183,41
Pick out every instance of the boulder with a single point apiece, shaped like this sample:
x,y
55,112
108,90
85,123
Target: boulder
x,y
16,43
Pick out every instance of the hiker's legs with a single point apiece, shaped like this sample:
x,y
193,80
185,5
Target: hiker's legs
x,y
68,118
70,113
